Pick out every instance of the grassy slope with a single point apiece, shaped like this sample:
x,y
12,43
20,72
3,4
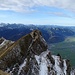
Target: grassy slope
x,y
66,49
3,73
8,49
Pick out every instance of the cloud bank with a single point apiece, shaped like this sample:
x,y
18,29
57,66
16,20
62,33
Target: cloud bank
x,y
28,5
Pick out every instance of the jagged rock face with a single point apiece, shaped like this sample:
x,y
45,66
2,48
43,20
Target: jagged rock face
x,y
28,45
33,43
1,40
29,56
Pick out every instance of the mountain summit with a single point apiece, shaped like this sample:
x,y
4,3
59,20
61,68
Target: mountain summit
x,y
30,56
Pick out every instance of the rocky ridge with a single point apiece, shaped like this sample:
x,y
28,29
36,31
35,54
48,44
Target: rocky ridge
x,y
30,56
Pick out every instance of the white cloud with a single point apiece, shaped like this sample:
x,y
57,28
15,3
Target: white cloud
x,y
59,14
27,5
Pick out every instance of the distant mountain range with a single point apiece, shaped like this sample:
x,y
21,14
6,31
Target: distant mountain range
x,y
52,34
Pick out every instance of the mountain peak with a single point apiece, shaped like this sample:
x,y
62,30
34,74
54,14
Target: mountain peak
x,y
35,34
30,44
38,43
30,56
33,43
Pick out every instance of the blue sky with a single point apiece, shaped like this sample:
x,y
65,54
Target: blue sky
x,y
51,12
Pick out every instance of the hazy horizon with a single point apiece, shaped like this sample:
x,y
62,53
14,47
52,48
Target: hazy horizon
x,y
35,24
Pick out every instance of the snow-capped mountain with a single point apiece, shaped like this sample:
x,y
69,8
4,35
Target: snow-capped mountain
x,y
30,56
52,34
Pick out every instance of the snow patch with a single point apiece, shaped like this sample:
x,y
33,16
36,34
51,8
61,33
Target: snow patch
x,y
65,67
57,65
37,59
43,63
43,66
3,43
21,66
72,72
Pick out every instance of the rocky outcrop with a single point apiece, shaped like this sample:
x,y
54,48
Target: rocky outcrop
x,y
4,44
24,47
1,40
30,56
